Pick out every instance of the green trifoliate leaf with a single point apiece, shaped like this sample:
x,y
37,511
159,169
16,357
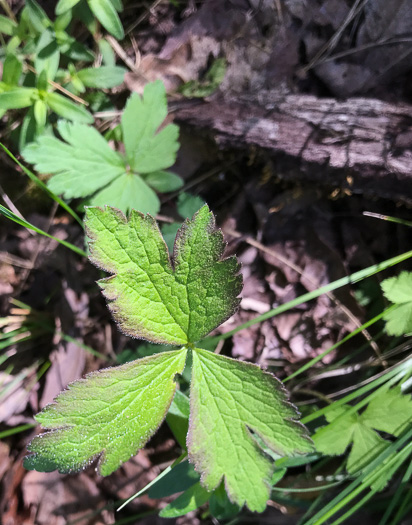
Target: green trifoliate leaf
x,y
399,291
109,415
388,412
236,408
146,150
152,297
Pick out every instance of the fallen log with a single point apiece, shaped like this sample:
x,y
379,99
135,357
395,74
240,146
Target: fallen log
x,y
361,145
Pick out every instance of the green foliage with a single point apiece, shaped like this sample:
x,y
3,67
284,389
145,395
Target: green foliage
x,y
104,10
149,297
40,54
231,402
398,290
389,412
237,410
191,499
83,163
110,414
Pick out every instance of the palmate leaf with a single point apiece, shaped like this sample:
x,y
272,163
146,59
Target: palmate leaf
x,y
84,165
388,412
230,403
149,297
238,412
111,415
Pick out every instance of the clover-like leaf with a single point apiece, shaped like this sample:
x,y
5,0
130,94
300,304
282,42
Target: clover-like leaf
x,y
172,301
111,415
237,408
388,412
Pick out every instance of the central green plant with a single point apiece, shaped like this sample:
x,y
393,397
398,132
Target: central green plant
x,y
238,412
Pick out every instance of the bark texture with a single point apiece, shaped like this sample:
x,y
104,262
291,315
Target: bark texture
x,y
362,145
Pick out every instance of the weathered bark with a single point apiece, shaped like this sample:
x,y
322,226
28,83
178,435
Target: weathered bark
x,y
362,145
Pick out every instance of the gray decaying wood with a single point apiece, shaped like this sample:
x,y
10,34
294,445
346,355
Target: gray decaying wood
x,y
362,145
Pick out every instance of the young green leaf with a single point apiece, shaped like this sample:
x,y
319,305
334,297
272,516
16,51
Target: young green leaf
x,y
233,406
106,50
102,77
179,479
388,412
399,291
107,15
146,150
64,5
67,109
47,54
109,415
148,296
12,69
16,98
37,15
188,205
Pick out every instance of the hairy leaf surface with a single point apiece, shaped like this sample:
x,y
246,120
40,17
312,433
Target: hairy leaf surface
x,y
236,409
111,415
149,296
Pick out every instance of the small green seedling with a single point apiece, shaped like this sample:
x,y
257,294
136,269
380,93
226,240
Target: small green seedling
x,y
237,410
84,165
389,412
